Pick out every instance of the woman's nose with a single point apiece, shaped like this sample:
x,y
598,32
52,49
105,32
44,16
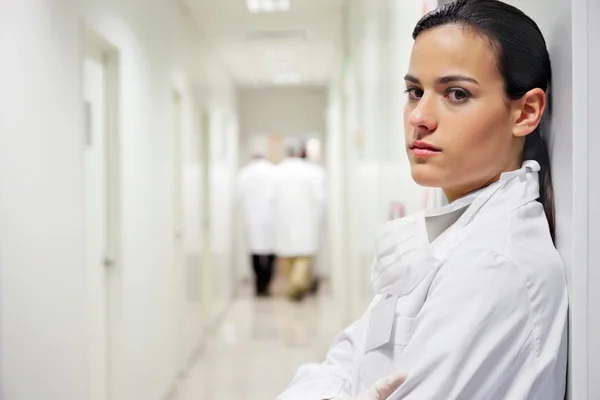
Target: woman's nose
x,y
423,116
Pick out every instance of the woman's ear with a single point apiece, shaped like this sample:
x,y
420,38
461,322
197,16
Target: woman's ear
x,y
528,111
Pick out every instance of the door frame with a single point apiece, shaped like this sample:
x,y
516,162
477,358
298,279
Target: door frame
x,y
207,267
179,287
93,42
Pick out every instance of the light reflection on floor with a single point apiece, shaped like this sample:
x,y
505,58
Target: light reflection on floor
x,y
258,347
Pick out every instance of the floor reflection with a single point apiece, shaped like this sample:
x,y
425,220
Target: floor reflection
x,y
258,347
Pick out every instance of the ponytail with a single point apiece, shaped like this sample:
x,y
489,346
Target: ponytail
x,y
536,149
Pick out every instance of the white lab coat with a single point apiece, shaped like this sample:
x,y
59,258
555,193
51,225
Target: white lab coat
x,y
478,314
255,191
299,201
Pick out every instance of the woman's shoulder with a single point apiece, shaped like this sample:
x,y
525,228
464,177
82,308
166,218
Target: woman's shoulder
x,y
519,240
522,232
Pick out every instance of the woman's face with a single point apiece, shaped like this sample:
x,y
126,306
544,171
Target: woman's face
x,y
457,121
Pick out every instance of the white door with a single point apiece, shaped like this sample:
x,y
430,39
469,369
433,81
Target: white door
x,y
96,199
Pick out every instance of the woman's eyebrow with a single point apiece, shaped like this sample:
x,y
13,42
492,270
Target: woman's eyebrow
x,y
410,78
443,80
456,78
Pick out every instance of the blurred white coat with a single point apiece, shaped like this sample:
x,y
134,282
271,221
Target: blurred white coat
x,y
299,203
255,192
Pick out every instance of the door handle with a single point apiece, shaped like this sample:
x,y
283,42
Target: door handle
x,y
109,262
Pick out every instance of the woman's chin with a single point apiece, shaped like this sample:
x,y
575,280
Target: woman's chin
x,y
425,175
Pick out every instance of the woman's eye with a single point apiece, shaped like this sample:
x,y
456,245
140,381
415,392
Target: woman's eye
x,y
458,95
414,93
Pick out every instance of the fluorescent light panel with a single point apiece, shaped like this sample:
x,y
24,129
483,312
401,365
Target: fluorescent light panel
x,y
267,6
287,79
280,54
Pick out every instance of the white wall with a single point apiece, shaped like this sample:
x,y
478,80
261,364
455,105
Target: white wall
x,y
336,223
42,315
218,118
223,167
586,39
43,321
586,81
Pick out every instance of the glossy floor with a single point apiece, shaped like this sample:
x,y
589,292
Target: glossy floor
x,y
258,347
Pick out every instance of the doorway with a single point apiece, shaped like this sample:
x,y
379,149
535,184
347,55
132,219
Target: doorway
x,y
101,175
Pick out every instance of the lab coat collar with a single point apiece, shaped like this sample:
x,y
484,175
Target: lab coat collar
x,y
404,254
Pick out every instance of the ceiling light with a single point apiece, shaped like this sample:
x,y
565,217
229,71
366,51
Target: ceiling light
x,y
283,66
283,5
280,54
268,6
287,79
256,6
253,6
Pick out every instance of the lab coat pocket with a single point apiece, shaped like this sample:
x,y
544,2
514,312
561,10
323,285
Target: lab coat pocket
x,y
403,329
381,323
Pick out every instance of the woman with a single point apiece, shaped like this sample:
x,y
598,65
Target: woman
x,y
471,298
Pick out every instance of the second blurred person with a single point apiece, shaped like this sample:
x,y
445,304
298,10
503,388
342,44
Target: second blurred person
x,y
299,207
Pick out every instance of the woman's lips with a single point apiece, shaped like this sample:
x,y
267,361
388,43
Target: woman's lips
x,y
423,149
424,152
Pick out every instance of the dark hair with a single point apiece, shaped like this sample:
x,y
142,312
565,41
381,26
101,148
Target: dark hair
x,y
522,60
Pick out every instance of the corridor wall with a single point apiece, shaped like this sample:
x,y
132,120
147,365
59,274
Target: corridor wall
x,y
43,321
161,50
42,315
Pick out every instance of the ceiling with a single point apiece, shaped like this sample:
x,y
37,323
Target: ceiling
x,y
301,46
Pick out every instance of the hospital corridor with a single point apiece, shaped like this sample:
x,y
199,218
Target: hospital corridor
x,y
197,197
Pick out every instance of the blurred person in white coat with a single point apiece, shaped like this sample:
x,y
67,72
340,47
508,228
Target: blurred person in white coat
x,y
471,298
299,201
255,192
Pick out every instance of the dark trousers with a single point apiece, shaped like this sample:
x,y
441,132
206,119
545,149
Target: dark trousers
x,y
263,266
